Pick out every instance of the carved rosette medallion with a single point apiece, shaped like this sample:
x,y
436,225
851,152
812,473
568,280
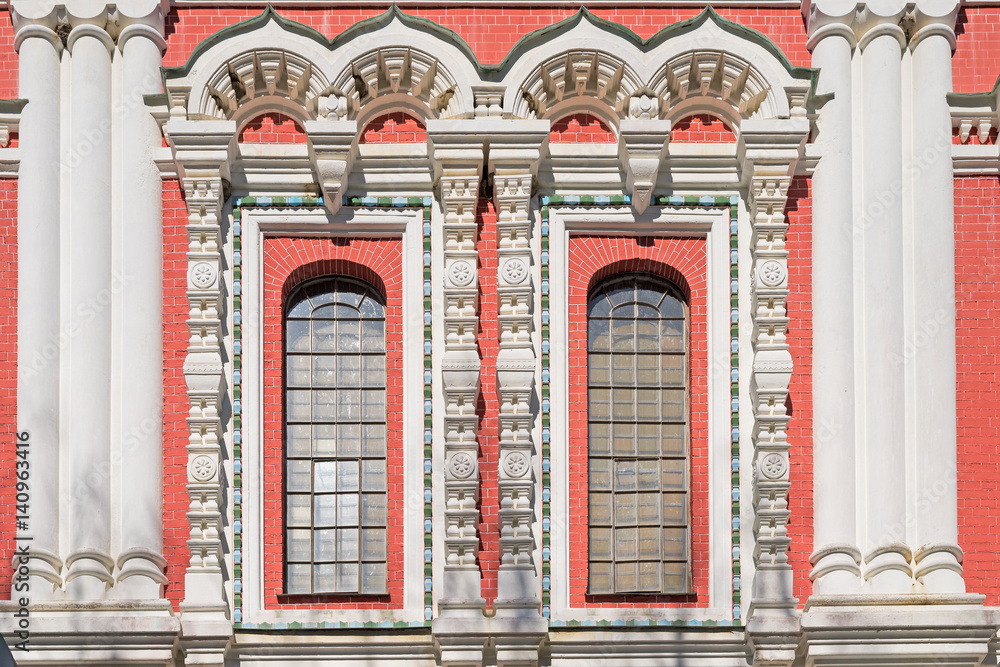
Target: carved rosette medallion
x,y
514,271
773,466
203,275
203,468
462,465
461,273
515,464
772,273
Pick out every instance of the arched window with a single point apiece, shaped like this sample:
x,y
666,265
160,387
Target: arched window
x,y
637,361
335,438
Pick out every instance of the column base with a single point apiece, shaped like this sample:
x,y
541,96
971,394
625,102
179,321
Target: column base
x,y
102,634
902,630
206,632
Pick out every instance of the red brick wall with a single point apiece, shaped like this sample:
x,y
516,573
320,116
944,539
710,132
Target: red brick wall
x,y
8,377
976,62
488,409
798,211
272,128
701,128
287,263
581,128
175,400
8,58
681,260
490,31
394,128
977,273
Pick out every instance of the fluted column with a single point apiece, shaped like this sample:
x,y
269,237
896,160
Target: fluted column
x,y
886,556
140,561
39,345
89,563
937,557
836,558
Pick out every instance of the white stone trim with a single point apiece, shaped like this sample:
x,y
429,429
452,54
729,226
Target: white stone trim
x,y
258,224
713,225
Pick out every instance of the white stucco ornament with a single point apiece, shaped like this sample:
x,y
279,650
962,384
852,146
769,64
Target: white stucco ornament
x,y
462,465
514,271
203,275
202,468
772,273
515,464
773,466
461,273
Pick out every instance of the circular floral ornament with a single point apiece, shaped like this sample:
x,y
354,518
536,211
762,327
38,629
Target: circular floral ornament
x,y
515,464
772,273
462,465
202,468
514,271
461,273
202,275
773,466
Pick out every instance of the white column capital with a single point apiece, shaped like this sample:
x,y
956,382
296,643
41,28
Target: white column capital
x,y
333,145
89,30
935,17
879,19
825,18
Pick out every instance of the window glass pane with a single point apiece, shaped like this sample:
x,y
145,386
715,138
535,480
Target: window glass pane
x,y
373,579
370,309
347,476
348,371
347,510
347,577
325,439
325,476
374,440
374,509
349,440
324,336
297,440
297,405
298,510
347,544
373,544
325,545
298,476
297,547
298,578
637,437
349,405
348,336
374,475
297,336
373,374
298,370
324,405
373,406
374,336
325,510
325,579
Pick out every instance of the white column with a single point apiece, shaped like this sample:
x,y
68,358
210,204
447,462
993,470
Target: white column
x,y
140,279
88,154
937,556
836,557
887,566
38,341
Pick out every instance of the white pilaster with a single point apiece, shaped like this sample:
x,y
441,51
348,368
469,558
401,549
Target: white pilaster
x,y
140,562
768,152
39,344
886,556
458,149
203,151
937,557
89,562
836,557
514,152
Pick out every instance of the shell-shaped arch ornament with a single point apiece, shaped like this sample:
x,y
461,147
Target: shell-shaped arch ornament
x,y
577,76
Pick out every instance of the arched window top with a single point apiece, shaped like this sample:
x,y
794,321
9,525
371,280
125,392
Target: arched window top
x,y
636,295
340,298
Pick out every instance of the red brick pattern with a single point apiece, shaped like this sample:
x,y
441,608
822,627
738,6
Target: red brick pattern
x,y
581,128
272,128
977,273
175,399
976,62
8,377
394,128
798,212
8,58
682,261
702,128
488,409
490,31
287,263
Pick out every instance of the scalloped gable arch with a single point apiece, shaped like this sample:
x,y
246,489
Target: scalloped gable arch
x,y
706,31
329,57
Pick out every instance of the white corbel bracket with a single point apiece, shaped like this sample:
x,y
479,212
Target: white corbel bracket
x,y
333,145
641,146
